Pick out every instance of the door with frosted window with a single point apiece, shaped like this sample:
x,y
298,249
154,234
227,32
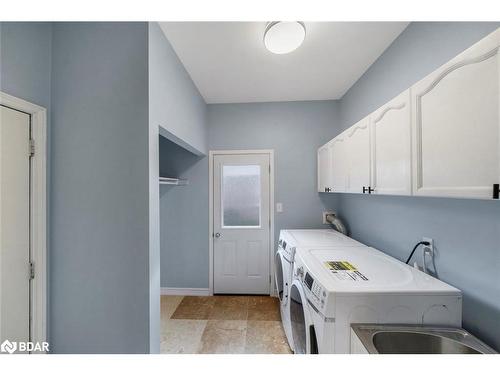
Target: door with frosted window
x,y
241,223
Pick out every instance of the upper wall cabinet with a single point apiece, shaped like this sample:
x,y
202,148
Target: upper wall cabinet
x,y
391,147
339,163
456,135
358,155
440,138
324,168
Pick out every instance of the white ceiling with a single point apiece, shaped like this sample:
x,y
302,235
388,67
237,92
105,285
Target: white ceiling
x,y
229,63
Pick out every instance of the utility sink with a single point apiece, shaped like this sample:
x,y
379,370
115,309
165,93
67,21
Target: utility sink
x,y
416,339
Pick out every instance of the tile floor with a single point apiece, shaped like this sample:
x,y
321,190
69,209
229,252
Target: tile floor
x,y
222,324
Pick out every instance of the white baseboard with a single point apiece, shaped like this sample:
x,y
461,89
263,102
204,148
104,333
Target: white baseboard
x,y
184,291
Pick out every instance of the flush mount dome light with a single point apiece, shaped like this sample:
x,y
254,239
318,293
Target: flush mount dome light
x,y
284,37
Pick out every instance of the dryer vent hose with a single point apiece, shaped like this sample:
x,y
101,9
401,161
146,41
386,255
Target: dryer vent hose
x,y
336,223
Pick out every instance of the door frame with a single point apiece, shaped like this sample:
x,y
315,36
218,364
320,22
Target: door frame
x,y
211,155
38,213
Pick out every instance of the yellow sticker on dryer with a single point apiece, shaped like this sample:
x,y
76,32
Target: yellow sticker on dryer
x,y
345,271
340,266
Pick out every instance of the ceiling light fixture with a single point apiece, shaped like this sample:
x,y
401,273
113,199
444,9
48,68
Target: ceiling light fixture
x,y
284,37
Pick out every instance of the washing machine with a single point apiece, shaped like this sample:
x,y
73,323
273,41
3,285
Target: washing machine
x,y
289,240
334,287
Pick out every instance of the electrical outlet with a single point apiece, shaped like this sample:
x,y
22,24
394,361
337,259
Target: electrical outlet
x,y
429,248
327,213
427,254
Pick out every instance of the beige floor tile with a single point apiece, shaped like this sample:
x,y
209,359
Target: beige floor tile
x,y
168,305
182,336
224,337
229,308
263,308
264,337
194,308
221,324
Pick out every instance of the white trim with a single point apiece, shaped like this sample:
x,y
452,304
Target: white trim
x,y
38,219
211,155
184,291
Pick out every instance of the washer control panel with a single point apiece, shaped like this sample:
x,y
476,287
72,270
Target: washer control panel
x,y
317,292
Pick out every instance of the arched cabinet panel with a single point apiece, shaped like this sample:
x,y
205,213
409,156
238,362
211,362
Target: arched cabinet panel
x,y
391,147
441,137
339,153
358,144
456,125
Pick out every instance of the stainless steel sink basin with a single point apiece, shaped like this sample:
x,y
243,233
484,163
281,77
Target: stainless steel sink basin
x,y
414,339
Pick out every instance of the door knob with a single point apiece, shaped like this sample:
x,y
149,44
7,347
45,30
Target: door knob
x,y
217,235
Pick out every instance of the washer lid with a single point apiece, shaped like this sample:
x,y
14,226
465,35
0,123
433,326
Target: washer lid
x,y
365,269
319,238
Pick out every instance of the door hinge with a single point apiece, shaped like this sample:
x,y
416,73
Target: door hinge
x,y
32,147
32,270
496,191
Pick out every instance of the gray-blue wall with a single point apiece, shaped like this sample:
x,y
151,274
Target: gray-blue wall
x,y
180,111
175,103
183,218
25,60
99,259
466,232
294,130
25,72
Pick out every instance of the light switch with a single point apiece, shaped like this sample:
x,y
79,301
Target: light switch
x,y
279,207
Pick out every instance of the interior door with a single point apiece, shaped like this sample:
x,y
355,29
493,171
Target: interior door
x,y
358,144
391,147
241,221
14,225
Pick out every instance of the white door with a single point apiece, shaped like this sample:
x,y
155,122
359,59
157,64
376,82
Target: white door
x,y
324,169
358,144
391,147
14,225
456,125
339,163
241,221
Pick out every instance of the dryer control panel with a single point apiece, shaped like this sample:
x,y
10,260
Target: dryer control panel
x,y
317,292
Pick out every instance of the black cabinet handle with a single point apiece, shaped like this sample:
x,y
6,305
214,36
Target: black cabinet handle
x,y
496,191
367,189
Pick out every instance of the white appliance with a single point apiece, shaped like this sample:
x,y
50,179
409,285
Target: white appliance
x,y
335,287
289,240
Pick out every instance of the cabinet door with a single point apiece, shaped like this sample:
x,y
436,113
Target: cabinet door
x,y
339,164
456,125
358,144
391,147
324,169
